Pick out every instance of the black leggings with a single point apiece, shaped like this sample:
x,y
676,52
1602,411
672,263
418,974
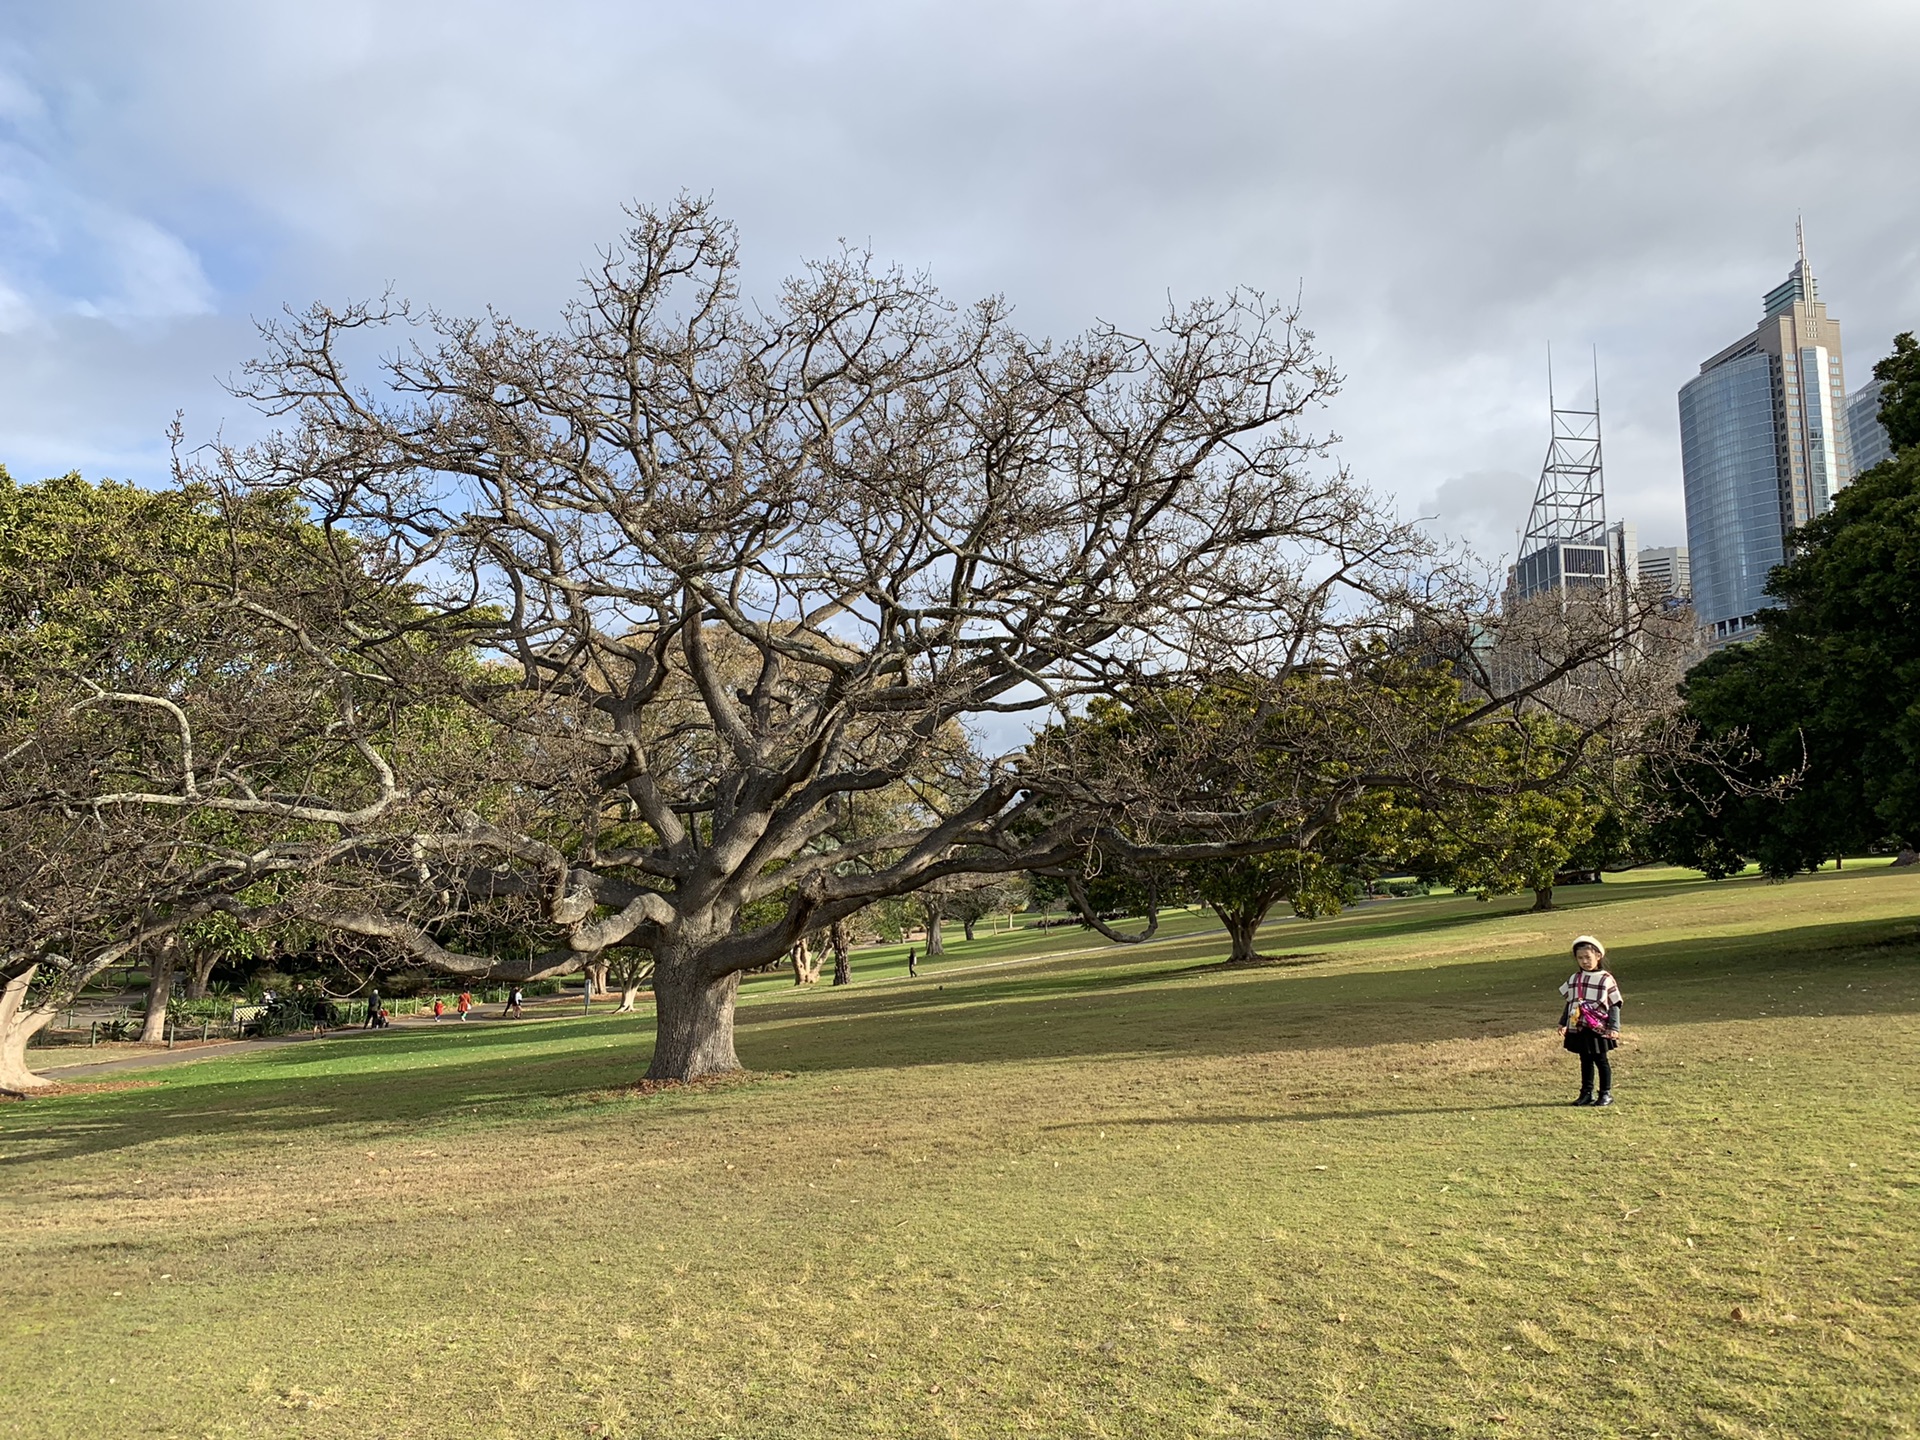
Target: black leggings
x,y
1596,1067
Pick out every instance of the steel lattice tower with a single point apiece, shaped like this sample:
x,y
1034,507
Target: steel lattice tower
x,y
1566,538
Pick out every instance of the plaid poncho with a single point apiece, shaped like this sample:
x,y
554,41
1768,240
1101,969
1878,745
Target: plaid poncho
x,y
1592,996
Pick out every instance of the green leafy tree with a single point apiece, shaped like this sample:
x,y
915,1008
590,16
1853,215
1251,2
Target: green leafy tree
x,y
1900,400
1828,699
1521,814
1305,762
188,723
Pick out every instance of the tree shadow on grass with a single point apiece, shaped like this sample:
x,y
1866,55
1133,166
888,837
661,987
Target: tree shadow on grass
x,y
1228,1010
499,1076
1292,1117
361,1084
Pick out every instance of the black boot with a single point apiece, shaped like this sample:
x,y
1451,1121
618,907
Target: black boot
x,y
1605,1097
1586,1098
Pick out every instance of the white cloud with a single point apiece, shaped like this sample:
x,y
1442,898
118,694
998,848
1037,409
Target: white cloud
x,y
1483,508
16,311
1451,187
63,250
152,275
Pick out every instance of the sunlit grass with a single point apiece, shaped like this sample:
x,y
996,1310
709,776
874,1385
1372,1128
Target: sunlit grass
x,y
1126,1192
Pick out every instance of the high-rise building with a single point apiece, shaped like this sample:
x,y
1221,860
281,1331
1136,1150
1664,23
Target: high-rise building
x,y
1566,546
1763,448
1623,555
1665,568
1869,436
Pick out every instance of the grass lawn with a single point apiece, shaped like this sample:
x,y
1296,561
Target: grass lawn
x,y
1118,1192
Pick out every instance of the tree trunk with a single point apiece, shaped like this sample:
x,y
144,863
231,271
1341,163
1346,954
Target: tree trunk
x,y
1242,927
967,925
842,970
935,946
153,1030
598,974
629,999
805,972
693,1022
1543,896
199,970
18,1025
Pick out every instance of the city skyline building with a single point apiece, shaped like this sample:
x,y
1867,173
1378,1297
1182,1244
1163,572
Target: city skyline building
x,y
1666,568
1566,544
1764,447
1864,430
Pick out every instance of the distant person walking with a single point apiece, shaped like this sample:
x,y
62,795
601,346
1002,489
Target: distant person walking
x,y
373,1011
439,1009
913,965
1590,1020
513,1003
466,1003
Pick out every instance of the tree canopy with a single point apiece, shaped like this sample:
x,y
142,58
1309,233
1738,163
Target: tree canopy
x,y
1900,399
1829,696
198,709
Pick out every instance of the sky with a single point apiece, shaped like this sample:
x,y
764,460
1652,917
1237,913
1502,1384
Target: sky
x,y
1449,189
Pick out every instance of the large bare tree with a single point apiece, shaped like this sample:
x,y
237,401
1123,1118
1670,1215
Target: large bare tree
x,y
749,565
741,581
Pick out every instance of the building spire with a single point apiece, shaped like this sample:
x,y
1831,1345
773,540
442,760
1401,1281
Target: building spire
x,y
1800,284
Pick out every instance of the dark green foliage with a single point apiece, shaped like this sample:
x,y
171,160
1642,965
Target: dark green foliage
x,y
1118,889
1620,841
1520,816
1900,401
1829,694
1302,762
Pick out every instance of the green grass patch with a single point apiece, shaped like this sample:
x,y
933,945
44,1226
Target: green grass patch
x,y
1050,1188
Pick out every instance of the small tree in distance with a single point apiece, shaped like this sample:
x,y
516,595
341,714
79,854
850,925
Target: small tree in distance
x,y
998,896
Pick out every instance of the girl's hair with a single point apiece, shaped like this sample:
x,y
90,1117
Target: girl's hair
x,y
1598,948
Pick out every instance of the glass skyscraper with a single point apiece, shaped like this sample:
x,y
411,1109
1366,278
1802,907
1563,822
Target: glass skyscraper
x,y
1869,436
1763,448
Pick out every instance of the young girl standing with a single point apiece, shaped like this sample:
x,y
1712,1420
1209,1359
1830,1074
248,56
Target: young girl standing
x,y
1590,1020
